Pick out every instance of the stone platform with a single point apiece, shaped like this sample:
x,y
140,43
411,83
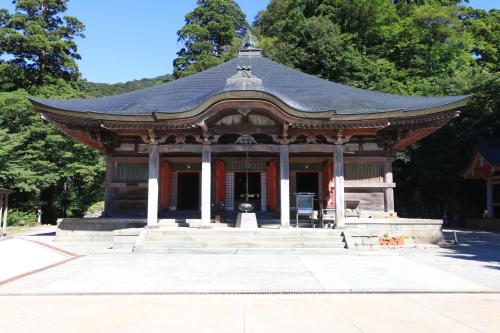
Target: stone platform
x,y
424,231
188,236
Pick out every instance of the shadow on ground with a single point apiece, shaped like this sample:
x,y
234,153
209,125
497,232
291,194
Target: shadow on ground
x,y
475,245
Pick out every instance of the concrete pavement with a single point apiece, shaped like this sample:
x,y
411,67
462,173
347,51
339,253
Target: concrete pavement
x,y
108,291
149,273
19,256
251,313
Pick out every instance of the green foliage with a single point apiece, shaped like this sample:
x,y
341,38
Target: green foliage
x,y
48,170
485,27
209,36
95,210
39,42
411,47
105,89
36,160
19,218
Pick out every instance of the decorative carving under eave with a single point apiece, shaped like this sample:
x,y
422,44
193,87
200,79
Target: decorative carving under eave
x,y
388,138
153,138
107,139
341,138
245,140
285,136
204,128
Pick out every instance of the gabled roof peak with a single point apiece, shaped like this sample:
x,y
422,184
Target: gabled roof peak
x,y
244,79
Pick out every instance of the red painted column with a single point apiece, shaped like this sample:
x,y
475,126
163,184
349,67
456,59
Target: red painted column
x,y
329,193
164,185
220,181
272,193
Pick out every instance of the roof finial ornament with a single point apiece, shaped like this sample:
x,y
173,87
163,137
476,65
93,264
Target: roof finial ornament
x,y
249,41
249,45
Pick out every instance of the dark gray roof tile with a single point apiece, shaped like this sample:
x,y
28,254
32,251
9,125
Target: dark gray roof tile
x,y
300,91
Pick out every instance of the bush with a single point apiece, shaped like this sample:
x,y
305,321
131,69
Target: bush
x,y
95,210
20,218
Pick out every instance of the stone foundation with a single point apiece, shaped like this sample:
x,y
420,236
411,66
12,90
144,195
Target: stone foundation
x,y
420,230
93,229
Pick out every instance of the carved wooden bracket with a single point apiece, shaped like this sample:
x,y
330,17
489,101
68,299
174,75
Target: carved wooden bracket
x,y
153,138
340,139
388,138
204,128
106,138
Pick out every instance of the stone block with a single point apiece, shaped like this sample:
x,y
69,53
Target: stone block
x,y
247,221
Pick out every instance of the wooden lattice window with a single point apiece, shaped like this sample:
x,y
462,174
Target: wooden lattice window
x,y
364,172
132,172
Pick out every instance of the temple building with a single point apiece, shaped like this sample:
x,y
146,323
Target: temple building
x,y
249,129
485,165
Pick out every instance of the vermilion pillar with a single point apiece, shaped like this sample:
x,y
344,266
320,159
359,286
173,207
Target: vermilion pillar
x,y
164,185
220,181
272,193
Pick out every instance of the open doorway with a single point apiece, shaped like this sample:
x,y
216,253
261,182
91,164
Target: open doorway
x,y
188,191
240,188
308,182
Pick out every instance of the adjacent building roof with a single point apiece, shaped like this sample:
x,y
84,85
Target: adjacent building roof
x,y
490,151
252,72
485,162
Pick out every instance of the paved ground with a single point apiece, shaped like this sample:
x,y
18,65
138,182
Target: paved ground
x,y
251,313
18,256
476,258
104,291
152,273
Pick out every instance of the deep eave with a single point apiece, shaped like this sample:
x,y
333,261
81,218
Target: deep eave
x,y
245,96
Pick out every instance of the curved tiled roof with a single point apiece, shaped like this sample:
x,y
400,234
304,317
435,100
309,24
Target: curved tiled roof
x,y
299,91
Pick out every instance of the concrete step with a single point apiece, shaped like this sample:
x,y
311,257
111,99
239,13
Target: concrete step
x,y
240,244
289,241
240,232
246,251
241,238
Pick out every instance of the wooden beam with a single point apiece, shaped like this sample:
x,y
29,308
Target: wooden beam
x,y
258,148
312,148
351,184
180,148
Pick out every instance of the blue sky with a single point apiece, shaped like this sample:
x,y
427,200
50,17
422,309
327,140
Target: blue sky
x,y
126,41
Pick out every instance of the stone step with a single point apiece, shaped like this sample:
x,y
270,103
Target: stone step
x,y
241,238
240,244
235,232
246,251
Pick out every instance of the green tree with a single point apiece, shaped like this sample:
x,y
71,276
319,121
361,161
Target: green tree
x,y
36,160
38,42
410,47
46,169
485,28
209,36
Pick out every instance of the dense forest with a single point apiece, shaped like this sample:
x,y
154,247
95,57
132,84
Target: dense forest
x,y
409,47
